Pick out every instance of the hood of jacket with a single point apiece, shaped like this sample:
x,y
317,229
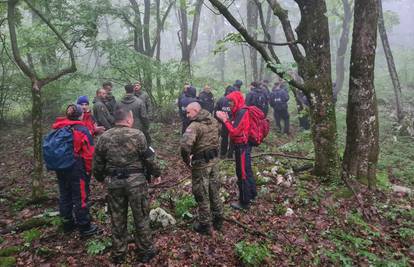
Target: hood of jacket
x,y
204,116
129,98
63,122
191,92
238,100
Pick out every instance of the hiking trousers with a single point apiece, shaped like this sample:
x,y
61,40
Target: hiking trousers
x,y
245,180
74,194
226,146
282,115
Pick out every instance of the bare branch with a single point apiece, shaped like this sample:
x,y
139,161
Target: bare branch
x,y
277,44
282,14
251,41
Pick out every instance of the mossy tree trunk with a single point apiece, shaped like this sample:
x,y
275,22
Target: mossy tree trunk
x,y
37,175
361,150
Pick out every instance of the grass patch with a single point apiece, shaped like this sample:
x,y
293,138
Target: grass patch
x,y
183,206
252,254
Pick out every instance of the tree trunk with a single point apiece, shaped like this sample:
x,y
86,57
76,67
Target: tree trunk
x,y
390,61
252,16
361,150
313,33
37,175
343,47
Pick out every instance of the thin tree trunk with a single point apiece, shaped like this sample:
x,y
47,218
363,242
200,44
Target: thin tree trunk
x,y
361,149
390,62
37,175
252,16
343,47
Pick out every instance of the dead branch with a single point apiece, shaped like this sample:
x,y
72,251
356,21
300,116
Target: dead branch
x,y
277,154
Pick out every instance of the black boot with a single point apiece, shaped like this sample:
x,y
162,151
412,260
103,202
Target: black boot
x,y
68,227
145,257
218,223
202,228
89,230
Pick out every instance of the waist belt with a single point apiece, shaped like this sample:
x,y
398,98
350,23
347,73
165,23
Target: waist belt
x,y
125,173
206,155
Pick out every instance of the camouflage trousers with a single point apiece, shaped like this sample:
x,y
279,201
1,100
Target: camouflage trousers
x,y
133,192
206,188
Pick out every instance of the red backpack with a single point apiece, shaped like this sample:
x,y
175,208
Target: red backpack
x,y
259,125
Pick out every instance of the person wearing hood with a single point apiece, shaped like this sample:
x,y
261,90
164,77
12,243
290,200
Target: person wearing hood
x,y
226,146
74,182
137,106
88,118
110,100
237,85
206,98
238,128
199,150
100,110
258,97
189,96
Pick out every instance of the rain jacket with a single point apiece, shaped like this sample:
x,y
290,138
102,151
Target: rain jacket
x,y
82,140
239,127
137,106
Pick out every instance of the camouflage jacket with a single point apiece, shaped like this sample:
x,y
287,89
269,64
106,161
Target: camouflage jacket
x,y
123,148
201,135
137,106
102,114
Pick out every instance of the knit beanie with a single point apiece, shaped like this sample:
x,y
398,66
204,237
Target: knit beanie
x,y
82,99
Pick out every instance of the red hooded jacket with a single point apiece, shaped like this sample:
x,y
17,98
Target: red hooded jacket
x,y
239,127
89,122
82,140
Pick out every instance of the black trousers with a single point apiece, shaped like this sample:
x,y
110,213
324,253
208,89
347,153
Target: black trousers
x,y
282,115
226,146
74,194
245,181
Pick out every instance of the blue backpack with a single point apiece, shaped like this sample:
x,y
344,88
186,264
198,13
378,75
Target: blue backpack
x,y
58,149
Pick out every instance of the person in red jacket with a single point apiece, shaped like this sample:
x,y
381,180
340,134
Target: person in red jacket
x,y
88,118
239,134
74,182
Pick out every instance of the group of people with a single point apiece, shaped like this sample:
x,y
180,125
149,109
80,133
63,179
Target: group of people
x,y
124,159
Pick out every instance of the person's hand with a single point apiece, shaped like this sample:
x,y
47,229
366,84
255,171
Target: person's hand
x,y
157,180
223,116
99,129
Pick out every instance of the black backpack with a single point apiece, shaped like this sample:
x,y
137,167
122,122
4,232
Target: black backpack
x,y
259,100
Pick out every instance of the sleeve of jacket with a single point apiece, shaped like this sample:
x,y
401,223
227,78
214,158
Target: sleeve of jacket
x,y
103,116
187,141
237,128
147,155
249,99
285,96
144,115
83,146
99,160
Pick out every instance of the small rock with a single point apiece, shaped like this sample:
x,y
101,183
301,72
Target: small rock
x,y
289,212
279,179
268,159
274,170
401,189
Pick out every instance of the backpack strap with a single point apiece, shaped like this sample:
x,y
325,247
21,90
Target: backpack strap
x,y
83,130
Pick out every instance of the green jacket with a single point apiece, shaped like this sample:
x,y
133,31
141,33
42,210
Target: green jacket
x,y
147,101
137,106
102,115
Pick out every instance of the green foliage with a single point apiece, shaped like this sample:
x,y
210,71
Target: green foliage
x,y
183,206
252,254
97,246
31,235
232,37
406,233
279,209
9,251
7,261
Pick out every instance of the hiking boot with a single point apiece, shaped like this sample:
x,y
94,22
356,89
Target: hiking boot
x,y
239,206
202,228
118,259
218,223
68,227
89,230
145,257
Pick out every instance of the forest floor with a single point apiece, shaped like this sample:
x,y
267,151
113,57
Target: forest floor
x,y
325,226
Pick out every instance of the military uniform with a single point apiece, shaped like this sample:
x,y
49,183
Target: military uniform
x,y
146,99
121,156
201,140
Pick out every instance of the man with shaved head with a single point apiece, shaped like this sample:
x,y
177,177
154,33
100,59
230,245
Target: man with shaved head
x,y
100,110
199,150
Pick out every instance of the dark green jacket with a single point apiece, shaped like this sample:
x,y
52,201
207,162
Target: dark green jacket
x,y
137,106
102,114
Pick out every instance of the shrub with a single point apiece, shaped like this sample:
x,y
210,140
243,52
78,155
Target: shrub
x,y
252,254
